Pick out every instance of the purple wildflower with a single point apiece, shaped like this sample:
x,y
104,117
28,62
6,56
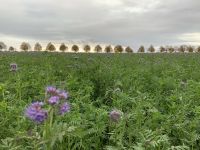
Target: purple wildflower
x,y
64,108
62,94
13,67
51,90
36,113
54,100
115,115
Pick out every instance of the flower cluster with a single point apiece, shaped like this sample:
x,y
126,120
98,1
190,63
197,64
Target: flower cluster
x,y
36,113
13,67
115,115
55,98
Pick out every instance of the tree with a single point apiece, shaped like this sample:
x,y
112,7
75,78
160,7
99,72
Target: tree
x,y
87,48
25,46
129,50
38,47
141,49
198,49
171,49
118,49
190,49
75,48
151,49
98,49
2,46
108,49
162,49
181,49
11,48
50,47
63,47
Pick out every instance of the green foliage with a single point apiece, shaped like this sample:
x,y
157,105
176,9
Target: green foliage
x,y
158,95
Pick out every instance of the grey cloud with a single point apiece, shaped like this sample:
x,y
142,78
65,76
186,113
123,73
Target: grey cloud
x,y
129,22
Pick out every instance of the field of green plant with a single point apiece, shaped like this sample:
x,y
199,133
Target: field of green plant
x,y
157,97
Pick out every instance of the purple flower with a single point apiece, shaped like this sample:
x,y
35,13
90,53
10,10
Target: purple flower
x,y
51,90
62,94
64,108
36,113
115,115
13,67
54,100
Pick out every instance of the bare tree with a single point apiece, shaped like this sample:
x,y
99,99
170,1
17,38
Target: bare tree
x,y
87,48
50,47
75,48
98,49
151,49
63,47
38,47
25,46
118,49
129,50
141,49
108,49
162,49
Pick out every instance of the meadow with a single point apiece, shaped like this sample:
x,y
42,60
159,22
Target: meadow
x,y
157,96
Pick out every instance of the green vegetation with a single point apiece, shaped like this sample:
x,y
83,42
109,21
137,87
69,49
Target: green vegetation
x,y
157,94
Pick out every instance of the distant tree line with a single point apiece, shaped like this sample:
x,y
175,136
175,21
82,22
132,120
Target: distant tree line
x,y
98,49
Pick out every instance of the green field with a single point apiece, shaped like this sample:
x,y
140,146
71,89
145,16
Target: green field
x,y
158,95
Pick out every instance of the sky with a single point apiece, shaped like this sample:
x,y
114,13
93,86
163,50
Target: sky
x,y
126,22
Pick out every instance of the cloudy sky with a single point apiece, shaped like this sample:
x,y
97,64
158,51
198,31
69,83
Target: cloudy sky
x,y
126,22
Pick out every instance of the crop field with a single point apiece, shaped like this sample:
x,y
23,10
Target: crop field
x,y
108,101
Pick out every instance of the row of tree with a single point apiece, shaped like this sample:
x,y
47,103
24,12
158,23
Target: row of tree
x,y
108,49
50,47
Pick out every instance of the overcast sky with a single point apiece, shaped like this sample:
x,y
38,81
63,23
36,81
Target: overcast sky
x,y
126,22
